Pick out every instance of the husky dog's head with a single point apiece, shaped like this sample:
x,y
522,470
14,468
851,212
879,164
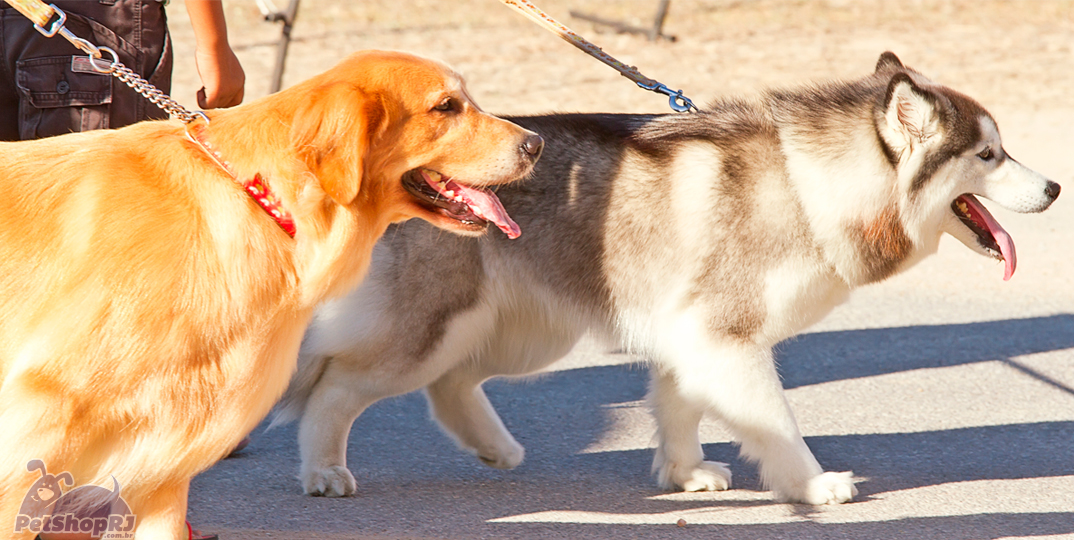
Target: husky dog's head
x,y
946,151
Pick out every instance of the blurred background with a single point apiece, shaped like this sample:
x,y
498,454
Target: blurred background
x,y
1003,52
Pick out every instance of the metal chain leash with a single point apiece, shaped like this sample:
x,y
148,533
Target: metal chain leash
x,y
40,14
145,88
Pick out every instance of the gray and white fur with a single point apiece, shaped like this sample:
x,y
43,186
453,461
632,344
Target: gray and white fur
x,y
698,241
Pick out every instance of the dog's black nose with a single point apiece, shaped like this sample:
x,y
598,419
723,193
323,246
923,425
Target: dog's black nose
x,y
532,145
1052,190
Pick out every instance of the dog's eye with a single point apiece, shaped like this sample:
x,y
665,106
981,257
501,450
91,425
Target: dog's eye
x,y
986,154
447,105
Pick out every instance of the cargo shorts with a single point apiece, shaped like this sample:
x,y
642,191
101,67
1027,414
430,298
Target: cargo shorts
x,y
48,87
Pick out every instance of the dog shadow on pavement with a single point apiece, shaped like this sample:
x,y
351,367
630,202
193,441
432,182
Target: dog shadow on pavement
x,y
849,354
412,482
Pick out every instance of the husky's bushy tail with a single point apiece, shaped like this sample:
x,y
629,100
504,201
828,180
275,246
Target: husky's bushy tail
x,y
293,403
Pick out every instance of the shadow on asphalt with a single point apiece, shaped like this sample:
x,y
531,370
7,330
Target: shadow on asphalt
x,y
898,461
971,527
832,356
413,482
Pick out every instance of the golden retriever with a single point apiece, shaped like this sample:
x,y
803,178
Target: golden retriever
x,y
152,310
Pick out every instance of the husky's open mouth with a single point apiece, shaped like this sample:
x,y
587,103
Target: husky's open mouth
x,y
990,235
473,208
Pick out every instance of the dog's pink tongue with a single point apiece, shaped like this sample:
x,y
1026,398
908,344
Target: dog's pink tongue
x,y
1006,244
486,205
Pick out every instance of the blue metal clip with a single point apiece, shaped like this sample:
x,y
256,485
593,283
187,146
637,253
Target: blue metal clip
x,y
677,101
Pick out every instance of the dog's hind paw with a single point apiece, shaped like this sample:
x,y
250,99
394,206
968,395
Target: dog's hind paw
x,y
827,488
508,457
705,476
334,481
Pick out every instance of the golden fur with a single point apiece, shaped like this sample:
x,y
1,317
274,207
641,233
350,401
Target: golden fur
x,y
152,313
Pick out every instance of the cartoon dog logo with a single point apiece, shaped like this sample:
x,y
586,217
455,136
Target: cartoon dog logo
x,y
45,492
84,513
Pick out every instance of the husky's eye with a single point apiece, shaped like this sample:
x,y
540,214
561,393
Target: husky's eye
x,y
986,154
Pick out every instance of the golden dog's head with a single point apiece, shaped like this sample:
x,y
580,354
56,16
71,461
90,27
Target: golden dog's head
x,y
401,133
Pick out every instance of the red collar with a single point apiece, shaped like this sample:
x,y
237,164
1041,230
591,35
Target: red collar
x,y
256,187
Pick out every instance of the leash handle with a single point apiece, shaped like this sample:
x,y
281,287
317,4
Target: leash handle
x,y
39,13
678,102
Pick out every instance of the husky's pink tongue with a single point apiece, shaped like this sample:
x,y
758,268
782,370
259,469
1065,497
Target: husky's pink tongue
x,y
484,204
981,215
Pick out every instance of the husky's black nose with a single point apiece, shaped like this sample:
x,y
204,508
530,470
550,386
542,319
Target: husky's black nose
x,y
1052,190
532,146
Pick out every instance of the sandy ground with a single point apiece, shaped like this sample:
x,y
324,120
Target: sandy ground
x,y
949,390
1005,53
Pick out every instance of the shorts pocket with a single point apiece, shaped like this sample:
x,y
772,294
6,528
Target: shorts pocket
x,y
56,98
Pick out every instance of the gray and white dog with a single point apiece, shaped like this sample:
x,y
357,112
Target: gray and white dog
x,y
696,240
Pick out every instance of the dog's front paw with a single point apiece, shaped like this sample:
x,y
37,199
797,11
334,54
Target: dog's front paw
x,y
334,481
826,488
507,456
705,476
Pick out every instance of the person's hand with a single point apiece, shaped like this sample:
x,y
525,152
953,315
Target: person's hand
x,y
221,75
222,78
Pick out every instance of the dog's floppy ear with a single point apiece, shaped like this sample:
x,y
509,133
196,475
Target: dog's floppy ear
x,y
888,62
331,134
910,111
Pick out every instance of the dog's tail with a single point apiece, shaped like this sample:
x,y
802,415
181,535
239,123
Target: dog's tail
x,y
293,403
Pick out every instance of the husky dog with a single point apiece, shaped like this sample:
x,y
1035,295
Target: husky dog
x,y
696,240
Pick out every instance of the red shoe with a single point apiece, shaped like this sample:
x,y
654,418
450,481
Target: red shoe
x,y
198,535
238,447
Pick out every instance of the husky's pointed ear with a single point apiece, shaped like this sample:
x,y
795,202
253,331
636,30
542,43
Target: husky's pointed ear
x,y
888,62
910,111
331,134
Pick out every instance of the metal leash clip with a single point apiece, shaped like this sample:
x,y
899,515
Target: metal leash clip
x,y
59,28
677,101
61,18
36,10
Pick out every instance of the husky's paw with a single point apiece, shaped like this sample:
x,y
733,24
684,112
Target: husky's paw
x,y
505,456
334,481
827,488
705,476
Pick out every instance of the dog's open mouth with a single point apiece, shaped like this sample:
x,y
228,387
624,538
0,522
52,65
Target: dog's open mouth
x,y
467,205
990,235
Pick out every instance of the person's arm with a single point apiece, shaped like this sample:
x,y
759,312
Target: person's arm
x,y
221,75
